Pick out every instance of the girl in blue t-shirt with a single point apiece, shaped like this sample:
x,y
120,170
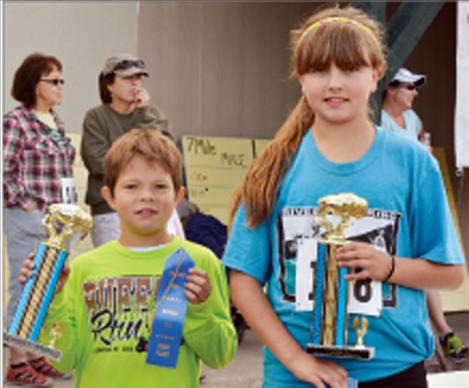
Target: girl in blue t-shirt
x,y
328,145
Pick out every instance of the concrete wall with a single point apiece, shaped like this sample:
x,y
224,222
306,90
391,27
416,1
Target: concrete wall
x,y
220,68
81,34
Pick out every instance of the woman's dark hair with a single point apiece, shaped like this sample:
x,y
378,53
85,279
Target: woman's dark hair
x,y
104,81
28,75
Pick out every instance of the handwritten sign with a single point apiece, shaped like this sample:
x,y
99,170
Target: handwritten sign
x,y
215,167
259,146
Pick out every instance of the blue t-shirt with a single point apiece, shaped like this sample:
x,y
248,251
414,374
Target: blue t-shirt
x,y
413,124
407,206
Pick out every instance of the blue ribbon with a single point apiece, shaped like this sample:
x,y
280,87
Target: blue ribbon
x,y
171,305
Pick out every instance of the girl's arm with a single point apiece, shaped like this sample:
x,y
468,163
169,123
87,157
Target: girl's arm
x,y
248,296
420,273
414,273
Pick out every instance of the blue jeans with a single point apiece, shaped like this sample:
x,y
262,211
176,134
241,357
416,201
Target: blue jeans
x,y
24,232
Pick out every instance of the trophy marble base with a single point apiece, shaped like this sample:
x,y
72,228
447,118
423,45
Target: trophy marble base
x,y
31,346
341,352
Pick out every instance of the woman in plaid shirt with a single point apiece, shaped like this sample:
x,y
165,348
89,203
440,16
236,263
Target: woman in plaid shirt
x,y
37,167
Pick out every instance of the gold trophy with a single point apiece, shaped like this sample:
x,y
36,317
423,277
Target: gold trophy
x,y
61,221
331,291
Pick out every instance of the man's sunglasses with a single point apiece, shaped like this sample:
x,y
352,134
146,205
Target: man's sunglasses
x,y
408,86
127,64
397,84
54,81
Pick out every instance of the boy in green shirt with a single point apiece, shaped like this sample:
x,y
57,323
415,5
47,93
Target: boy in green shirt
x,y
107,303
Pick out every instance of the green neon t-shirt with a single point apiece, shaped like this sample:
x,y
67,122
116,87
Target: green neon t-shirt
x,y
107,305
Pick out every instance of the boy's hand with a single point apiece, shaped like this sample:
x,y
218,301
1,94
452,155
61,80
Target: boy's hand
x,y
197,287
28,268
318,372
374,264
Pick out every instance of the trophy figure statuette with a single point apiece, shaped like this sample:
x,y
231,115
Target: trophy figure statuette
x,y
62,221
331,291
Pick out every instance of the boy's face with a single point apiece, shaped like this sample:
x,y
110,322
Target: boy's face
x,y
144,197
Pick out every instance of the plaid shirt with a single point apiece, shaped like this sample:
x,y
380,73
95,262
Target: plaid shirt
x,y
35,157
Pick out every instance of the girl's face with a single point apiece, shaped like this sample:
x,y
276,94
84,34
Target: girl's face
x,y
49,90
339,96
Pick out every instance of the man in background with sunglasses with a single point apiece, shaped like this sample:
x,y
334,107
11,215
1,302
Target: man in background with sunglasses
x,y
126,105
398,116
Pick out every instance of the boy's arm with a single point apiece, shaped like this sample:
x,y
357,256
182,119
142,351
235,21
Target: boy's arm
x,y
208,330
250,299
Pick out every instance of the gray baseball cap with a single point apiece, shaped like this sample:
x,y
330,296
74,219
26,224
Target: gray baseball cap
x,y
124,65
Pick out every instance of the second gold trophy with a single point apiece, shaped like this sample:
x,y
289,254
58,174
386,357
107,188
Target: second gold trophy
x,y
330,288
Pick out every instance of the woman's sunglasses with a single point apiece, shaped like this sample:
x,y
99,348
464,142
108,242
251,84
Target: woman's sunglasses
x,y
54,81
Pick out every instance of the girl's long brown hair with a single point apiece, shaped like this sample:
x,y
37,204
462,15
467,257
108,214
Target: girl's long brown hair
x,y
348,46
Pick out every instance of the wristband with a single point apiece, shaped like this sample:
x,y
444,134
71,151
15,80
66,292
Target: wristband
x,y
391,268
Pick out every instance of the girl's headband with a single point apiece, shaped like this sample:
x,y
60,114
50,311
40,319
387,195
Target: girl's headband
x,y
336,19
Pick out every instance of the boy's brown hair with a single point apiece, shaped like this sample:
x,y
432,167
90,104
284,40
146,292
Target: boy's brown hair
x,y
152,145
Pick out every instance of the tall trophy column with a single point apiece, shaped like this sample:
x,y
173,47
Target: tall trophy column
x,y
62,222
330,288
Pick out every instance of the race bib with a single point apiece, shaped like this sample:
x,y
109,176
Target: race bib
x,y
68,191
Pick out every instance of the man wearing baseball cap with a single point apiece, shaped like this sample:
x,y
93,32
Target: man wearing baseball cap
x,y
407,77
126,105
398,116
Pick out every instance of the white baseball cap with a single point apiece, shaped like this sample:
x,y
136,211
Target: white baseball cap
x,y
406,76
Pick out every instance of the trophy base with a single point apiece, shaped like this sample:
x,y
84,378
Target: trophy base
x,y
31,346
341,352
